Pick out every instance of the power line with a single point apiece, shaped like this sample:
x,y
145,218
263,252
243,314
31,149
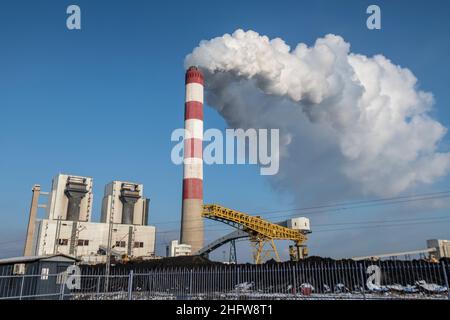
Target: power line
x,y
348,204
446,219
384,221
337,209
381,223
332,208
371,205
12,241
378,226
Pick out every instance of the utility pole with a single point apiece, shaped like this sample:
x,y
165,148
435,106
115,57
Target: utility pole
x,y
77,237
232,257
57,235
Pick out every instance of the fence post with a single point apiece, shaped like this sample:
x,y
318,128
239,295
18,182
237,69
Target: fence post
x,y
130,285
238,282
294,280
361,271
190,283
21,287
61,291
445,278
99,280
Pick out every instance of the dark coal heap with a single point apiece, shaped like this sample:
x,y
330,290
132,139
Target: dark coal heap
x,y
200,261
184,261
173,262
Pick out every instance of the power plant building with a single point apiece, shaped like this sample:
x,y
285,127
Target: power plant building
x,y
90,240
176,249
68,229
442,248
70,198
127,201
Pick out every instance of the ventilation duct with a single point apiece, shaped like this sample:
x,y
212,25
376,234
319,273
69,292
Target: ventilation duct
x,y
76,189
129,195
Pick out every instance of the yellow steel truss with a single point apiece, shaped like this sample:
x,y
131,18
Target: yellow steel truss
x,y
261,232
259,253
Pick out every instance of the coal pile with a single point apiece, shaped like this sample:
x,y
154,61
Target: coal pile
x,y
183,261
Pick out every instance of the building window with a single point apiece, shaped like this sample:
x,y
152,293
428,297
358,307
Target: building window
x,y
121,244
138,244
61,277
44,273
63,242
19,268
83,242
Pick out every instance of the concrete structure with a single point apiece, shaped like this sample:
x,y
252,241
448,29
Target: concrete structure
x,y
67,229
130,206
300,223
176,249
436,249
28,250
442,248
191,220
91,239
70,198
421,253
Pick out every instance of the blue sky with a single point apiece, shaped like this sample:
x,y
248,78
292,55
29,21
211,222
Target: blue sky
x,y
103,101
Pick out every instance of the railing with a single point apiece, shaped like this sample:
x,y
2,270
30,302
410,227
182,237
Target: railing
x,y
304,280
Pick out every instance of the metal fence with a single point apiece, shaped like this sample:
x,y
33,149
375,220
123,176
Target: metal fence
x,y
303,280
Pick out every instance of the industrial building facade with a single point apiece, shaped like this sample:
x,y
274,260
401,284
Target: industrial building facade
x,y
68,228
175,249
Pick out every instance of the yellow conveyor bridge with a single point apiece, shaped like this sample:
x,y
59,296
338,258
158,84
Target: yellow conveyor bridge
x,y
260,232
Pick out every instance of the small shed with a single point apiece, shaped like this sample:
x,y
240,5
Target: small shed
x,y
34,276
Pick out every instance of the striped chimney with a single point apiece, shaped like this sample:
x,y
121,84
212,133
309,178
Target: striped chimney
x,y
191,220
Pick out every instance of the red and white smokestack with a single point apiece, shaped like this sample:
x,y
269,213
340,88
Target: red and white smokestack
x,y
191,220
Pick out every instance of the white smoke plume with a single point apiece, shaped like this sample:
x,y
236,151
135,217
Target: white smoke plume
x,y
350,124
